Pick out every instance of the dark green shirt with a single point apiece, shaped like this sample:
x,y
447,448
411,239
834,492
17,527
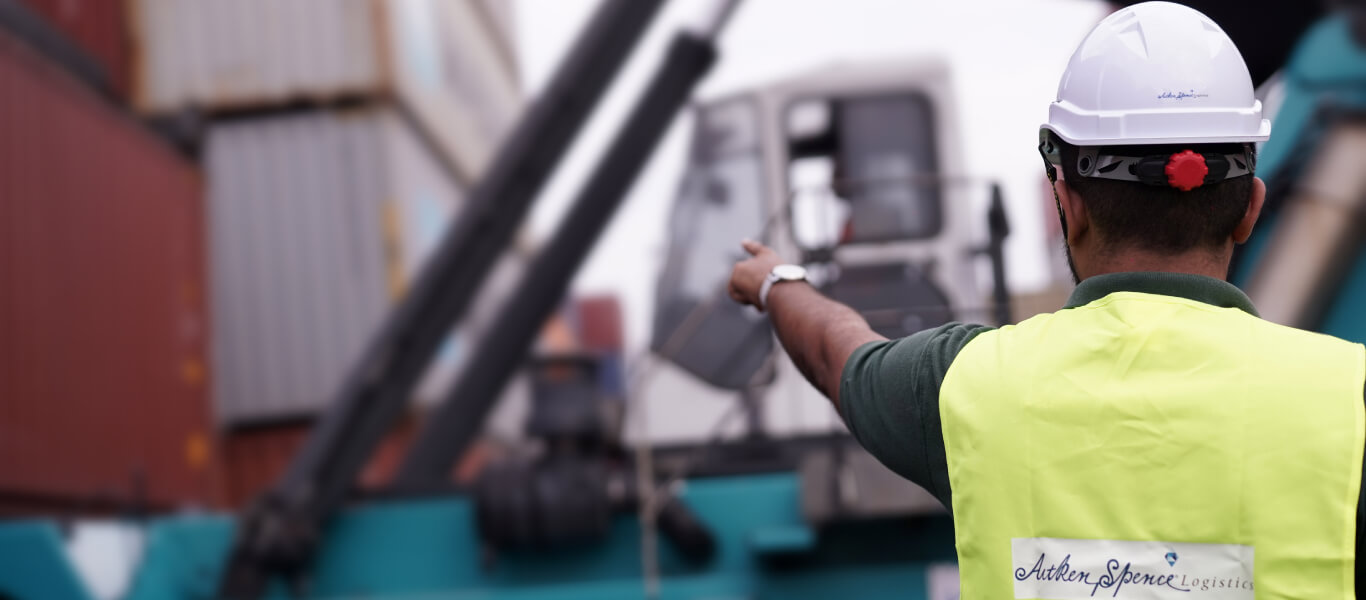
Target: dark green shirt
x,y
889,391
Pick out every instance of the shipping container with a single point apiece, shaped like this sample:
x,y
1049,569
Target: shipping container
x,y
599,323
255,458
448,63
99,27
103,387
319,222
503,13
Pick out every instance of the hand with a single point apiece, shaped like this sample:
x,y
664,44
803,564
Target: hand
x,y
749,274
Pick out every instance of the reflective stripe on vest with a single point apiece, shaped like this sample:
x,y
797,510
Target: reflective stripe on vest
x,y
1146,446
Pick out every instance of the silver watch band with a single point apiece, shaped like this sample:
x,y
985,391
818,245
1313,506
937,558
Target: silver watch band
x,y
780,273
764,288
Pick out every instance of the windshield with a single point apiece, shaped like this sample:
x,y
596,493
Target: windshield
x,y
888,152
867,174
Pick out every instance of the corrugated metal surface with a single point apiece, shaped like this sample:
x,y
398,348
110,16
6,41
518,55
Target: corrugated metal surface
x,y
100,27
244,52
450,67
102,379
442,60
318,222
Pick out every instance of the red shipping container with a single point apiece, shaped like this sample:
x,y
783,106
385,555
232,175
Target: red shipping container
x,y
255,458
103,384
599,323
99,27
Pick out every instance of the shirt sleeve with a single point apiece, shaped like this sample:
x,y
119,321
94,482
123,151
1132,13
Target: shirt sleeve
x,y
889,399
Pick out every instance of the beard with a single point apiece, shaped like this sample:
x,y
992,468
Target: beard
x,y
1066,250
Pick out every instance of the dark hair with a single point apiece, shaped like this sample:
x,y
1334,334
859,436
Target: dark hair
x,y
1129,214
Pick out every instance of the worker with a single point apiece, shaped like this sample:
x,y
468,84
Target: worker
x,y
1154,438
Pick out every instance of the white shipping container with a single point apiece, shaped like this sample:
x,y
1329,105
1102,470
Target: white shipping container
x,y
318,221
449,62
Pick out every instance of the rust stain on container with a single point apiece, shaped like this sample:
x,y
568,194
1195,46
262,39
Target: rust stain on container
x,y
101,227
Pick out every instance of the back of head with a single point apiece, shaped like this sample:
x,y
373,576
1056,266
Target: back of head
x,y
1153,127
1160,218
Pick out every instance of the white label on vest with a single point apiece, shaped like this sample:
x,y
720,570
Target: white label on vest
x,y
1062,569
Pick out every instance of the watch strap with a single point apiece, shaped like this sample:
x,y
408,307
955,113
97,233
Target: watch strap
x,y
765,288
774,278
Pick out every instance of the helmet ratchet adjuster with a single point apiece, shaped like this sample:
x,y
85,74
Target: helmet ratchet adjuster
x,y
1184,170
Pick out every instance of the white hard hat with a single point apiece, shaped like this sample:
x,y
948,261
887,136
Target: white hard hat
x,y
1156,73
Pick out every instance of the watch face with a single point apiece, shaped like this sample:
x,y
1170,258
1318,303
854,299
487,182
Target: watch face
x,y
789,272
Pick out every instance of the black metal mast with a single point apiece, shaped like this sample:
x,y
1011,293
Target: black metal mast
x,y
455,423
278,535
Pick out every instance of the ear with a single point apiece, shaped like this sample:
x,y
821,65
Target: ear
x,y
1254,210
1074,210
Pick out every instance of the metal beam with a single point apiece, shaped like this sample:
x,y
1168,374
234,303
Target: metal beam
x,y
279,534
455,423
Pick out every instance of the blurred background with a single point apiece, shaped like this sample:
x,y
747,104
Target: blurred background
x,y
388,268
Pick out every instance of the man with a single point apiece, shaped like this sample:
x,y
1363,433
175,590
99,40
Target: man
x,y
1153,439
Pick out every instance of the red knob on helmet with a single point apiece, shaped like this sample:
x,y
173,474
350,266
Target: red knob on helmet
x,y
1186,170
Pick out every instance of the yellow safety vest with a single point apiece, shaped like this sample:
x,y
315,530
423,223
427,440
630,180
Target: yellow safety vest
x,y
1149,446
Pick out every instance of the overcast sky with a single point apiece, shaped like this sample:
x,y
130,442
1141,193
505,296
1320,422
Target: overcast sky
x,y
1005,55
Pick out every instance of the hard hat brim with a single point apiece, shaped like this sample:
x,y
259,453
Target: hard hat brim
x,y
1263,133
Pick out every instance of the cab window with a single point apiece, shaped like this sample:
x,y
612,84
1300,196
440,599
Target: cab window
x,y
863,170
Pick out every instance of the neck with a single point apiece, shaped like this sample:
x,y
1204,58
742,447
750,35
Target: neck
x,y
1209,264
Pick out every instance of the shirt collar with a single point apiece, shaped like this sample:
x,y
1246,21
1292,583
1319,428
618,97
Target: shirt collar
x,y
1183,285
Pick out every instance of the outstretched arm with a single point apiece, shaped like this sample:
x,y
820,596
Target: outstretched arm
x,y
817,332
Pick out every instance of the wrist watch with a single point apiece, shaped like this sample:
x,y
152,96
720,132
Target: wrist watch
x,y
779,274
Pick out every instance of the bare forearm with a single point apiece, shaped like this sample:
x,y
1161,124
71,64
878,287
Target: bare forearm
x,y
818,333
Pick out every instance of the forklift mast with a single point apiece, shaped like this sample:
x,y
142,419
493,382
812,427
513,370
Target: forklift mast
x,y
281,532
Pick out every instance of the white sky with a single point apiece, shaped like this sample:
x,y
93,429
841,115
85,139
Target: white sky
x,y
1006,57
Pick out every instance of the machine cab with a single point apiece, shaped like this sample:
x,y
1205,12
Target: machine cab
x,y
853,170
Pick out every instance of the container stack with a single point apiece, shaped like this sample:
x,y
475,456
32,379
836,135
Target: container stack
x,y
341,137
253,459
597,322
447,65
332,144
103,329
317,221
97,28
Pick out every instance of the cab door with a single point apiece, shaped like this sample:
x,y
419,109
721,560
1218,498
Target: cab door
x,y
720,202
